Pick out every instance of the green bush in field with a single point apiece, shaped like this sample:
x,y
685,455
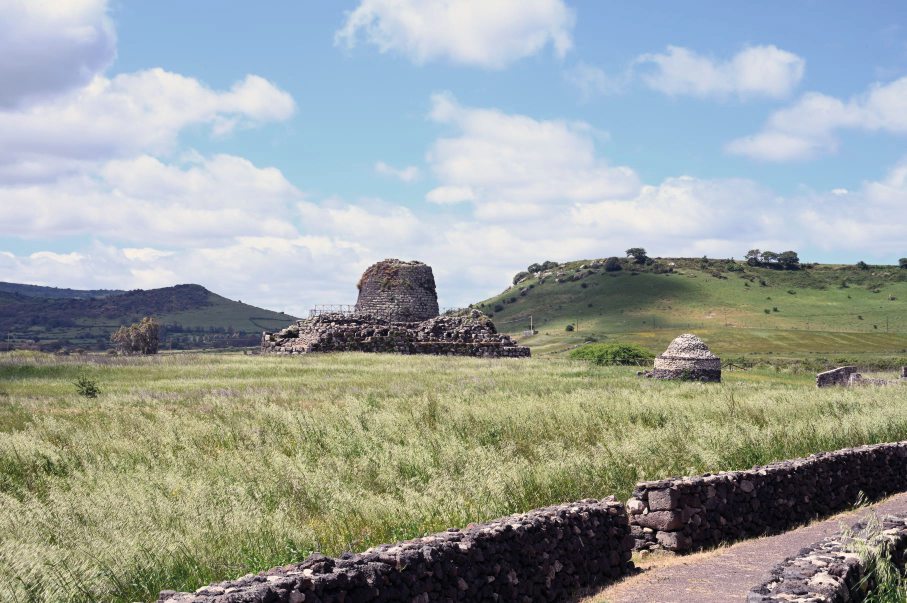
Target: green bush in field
x,y
87,387
613,353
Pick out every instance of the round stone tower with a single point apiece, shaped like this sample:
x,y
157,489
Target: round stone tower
x,y
398,291
688,358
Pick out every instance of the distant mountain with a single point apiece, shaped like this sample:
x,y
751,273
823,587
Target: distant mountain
x,y
191,317
56,292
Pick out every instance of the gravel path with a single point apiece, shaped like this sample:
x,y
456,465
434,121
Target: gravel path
x,y
727,574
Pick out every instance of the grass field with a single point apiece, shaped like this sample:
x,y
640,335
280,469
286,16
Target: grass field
x,y
190,468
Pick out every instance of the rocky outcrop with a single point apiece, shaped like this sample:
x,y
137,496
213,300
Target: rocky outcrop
x,y
545,555
398,291
833,569
690,513
687,358
470,333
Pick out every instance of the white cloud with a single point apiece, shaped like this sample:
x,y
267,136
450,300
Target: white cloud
x,y
406,174
755,71
591,81
129,114
146,200
509,165
483,33
807,128
50,47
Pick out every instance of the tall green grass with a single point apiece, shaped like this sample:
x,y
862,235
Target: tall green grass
x,y
192,468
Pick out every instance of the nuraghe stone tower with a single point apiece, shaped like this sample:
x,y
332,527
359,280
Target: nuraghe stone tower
x,y
688,358
398,291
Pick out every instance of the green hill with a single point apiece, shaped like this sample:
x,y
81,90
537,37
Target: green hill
x,y
191,317
56,292
735,307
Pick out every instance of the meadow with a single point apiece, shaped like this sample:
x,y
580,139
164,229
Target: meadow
x,y
190,468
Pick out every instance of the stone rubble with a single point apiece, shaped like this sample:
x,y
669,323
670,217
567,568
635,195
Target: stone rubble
x,y
832,570
468,334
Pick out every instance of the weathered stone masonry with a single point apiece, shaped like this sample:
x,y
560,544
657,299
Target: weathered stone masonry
x,y
545,555
830,570
397,312
687,358
469,334
398,291
691,513
838,376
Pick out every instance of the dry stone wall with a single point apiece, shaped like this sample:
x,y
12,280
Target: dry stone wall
x,y
691,513
831,570
545,555
468,334
398,291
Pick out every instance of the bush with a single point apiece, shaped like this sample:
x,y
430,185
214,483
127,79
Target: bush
x,y
862,265
902,263
520,276
569,328
498,307
87,387
612,264
613,353
138,338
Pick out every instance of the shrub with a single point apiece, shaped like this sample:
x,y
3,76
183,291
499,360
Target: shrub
x,y
612,264
862,265
87,387
569,328
767,311
638,254
520,276
903,263
498,307
533,268
613,353
142,337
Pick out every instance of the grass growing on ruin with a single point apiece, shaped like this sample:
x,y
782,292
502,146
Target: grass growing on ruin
x,y
192,468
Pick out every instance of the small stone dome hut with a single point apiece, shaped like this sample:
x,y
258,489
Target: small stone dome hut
x,y
688,358
398,291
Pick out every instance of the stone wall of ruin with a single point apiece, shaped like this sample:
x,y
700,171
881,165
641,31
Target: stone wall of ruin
x,y
545,555
398,291
691,513
470,334
838,376
829,571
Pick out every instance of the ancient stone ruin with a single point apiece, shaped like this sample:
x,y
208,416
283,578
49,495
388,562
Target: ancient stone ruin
x,y
397,312
847,376
398,291
687,358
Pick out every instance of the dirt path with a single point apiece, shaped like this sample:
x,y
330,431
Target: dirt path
x,y
727,574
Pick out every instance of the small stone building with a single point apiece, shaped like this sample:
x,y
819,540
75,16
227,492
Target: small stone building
x,y
398,291
688,358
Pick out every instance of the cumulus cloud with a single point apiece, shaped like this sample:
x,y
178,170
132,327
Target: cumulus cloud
x,y
807,128
512,166
129,114
406,174
142,199
50,47
470,32
755,71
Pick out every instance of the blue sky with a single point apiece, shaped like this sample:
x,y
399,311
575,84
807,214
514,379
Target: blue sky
x,y
272,152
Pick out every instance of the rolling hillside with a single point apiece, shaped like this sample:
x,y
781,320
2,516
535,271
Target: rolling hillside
x,y
736,308
191,316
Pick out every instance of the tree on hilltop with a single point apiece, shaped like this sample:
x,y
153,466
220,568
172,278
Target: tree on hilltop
x,y
903,262
638,254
